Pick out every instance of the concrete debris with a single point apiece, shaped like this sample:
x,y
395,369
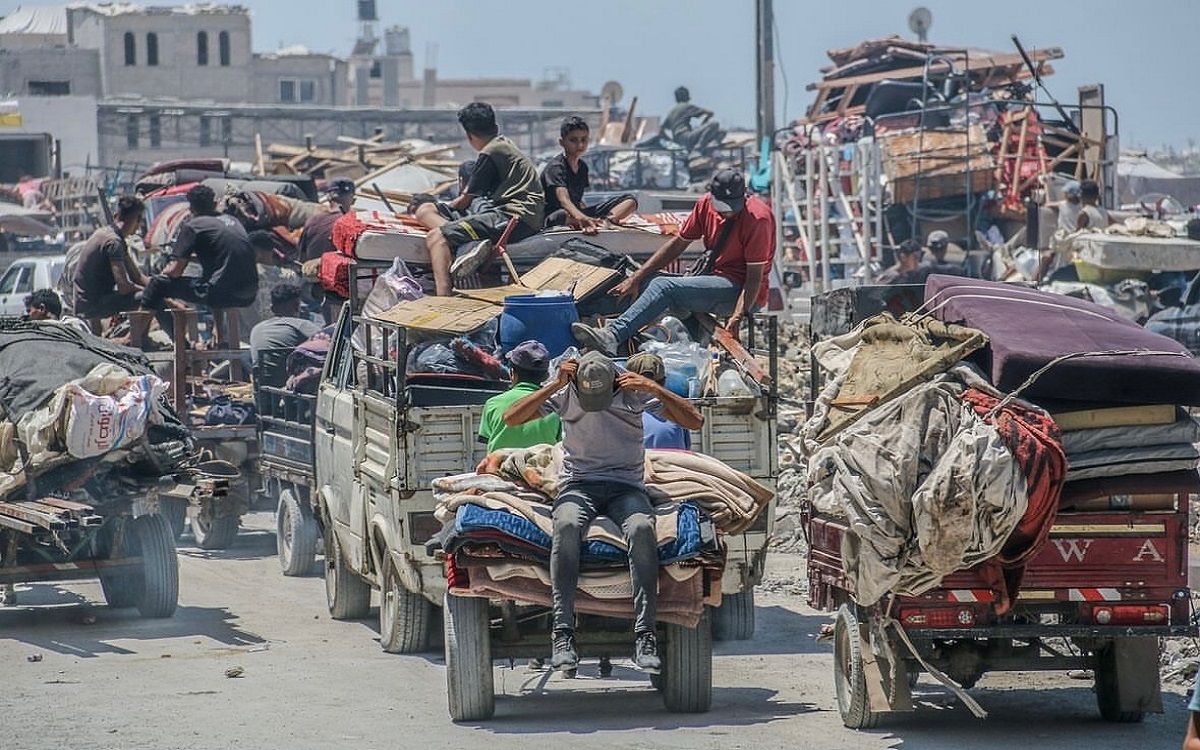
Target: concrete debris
x,y
234,672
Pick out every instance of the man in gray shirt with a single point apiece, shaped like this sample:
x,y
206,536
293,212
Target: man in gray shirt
x,y
272,340
603,472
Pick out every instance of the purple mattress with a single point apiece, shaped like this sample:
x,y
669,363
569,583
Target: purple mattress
x,y
1027,329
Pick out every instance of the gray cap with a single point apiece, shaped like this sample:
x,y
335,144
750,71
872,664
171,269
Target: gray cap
x,y
937,238
529,355
594,381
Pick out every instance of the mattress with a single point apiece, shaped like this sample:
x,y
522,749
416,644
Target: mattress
x,y
1028,330
1135,252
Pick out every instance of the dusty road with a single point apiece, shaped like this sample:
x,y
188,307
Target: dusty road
x,y
107,679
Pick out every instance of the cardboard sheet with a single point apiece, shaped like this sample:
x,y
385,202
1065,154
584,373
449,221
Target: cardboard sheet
x,y
449,314
558,274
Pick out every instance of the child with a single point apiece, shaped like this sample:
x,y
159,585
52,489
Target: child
x,y
565,179
503,175
530,364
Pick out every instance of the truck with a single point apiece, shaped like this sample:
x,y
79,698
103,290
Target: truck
x,y
27,154
380,443
286,442
1108,582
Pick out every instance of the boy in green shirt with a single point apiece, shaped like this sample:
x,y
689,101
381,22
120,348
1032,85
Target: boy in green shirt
x,y
530,364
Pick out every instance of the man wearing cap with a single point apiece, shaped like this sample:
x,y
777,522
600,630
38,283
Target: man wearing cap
x,y
938,243
603,474
272,340
657,431
907,269
739,229
1070,208
530,363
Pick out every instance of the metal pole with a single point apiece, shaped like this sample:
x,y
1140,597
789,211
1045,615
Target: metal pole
x,y
765,67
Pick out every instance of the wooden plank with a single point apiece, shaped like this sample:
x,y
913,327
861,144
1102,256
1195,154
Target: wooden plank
x,y
975,64
32,516
50,510
8,522
66,504
730,344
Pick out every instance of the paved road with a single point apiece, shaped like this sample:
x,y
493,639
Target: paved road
x,y
107,679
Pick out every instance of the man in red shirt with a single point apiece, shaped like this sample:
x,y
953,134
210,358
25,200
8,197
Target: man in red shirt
x,y
740,227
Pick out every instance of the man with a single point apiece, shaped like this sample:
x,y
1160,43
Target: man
x,y
530,363
565,179
908,268
219,243
503,175
1070,208
677,125
1092,216
938,243
272,340
1191,740
739,228
106,281
603,473
316,238
658,432
45,304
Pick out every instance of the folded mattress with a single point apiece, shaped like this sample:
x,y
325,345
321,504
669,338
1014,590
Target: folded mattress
x,y
1097,355
1136,252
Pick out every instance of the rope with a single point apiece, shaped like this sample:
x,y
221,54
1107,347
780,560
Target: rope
x,y
971,704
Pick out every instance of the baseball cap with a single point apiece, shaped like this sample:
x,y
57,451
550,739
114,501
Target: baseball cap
x,y
728,189
594,381
529,355
340,186
937,238
1072,188
648,364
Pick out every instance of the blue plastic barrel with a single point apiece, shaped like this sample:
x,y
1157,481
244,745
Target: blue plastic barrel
x,y
546,319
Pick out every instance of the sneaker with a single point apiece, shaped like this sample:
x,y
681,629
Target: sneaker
x,y
600,339
564,655
471,261
645,654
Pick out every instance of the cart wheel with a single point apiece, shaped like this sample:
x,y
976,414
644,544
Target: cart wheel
x,y
159,591
1107,686
403,616
347,596
175,511
734,619
470,690
848,675
687,667
295,535
214,533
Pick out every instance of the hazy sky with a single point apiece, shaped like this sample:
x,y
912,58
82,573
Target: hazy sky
x,y
1138,48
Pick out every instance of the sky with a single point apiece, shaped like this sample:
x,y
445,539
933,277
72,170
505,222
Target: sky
x,y
1143,51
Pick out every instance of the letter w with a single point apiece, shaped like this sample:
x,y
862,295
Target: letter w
x,y
1072,548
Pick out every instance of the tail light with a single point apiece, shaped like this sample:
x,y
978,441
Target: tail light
x,y
1131,614
938,617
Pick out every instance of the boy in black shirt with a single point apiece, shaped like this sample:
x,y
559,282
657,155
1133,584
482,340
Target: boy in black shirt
x,y
565,178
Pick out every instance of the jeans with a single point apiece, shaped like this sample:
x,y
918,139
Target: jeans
x,y
682,293
577,504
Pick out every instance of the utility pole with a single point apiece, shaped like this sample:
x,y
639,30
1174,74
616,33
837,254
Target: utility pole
x,y
765,67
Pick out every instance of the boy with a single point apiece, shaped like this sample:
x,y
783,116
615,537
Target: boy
x,y
503,175
530,364
658,432
565,178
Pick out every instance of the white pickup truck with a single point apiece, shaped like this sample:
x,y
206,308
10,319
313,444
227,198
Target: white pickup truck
x,y
381,438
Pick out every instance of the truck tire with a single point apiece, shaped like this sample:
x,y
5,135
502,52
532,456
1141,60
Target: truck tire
x,y
295,535
470,691
158,594
687,667
120,589
175,511
848,675
214,532
347,596
734,619
403,616
1108,697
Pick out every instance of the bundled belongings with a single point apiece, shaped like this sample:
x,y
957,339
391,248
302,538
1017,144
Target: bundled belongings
x,y
498,531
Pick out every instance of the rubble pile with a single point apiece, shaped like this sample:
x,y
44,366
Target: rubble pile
x,y
794,387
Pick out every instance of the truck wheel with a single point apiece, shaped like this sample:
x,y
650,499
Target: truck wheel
x,y
848,675
1108,696
687,667
295,535
403,616
734,619
214,533
347,596
469,681
159,590
175,512
120,589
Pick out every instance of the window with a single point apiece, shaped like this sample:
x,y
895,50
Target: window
x,y
130,49
292,90
8,284
25,280
205,131
155,131
223,48
132,126
202,48
226,130
49,88
376,70
152,48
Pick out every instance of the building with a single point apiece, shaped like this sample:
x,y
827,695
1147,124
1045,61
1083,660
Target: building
x,y
183,81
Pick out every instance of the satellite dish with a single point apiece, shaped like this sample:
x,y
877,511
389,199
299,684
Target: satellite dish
x,y
920,21
612,91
